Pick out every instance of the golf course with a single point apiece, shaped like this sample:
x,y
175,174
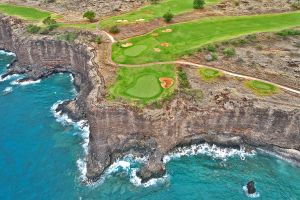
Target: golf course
x,y
261,88
171,42
143,84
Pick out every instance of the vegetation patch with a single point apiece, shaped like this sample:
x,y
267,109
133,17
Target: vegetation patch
x,y
143,85
189,36
23,12
288,32
209,75
261,88
153,11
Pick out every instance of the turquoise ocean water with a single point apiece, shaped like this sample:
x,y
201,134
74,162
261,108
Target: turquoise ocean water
x,y
40,157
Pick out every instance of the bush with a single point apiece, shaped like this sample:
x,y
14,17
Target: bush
x,y
33,29
183,79
229,52
49,21
168,16
198,4
90,15
114,29
211,48
70,37
98,39
288,32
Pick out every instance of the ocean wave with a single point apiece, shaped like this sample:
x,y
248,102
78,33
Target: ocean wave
x,y
9,77
2,52
7,90
84,128
210,150
255,195
23,83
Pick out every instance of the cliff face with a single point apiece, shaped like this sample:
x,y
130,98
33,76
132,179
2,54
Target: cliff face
x,y
118,129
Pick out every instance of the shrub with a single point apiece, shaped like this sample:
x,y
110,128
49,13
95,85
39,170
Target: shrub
x,y
229,52
90,15
70,37
288,32
198,4
98,39
114,29
49,21
168,16
33,29
183,79
211,48
214,56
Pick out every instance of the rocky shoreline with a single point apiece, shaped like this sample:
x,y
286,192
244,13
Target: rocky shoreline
x,y
225,116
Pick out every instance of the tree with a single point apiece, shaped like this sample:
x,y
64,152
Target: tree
x,y
168,16
198,4
90,15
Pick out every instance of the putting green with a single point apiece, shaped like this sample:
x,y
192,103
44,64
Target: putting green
x,y
153,11
208,74
261,88
146,86
23,12
187,37
141,84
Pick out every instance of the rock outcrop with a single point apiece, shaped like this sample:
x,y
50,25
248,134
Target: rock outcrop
x,y
117,129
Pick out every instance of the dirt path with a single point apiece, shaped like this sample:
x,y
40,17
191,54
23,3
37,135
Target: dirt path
x,y
296,91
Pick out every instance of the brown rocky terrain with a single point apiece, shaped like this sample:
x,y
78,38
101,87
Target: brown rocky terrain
x,y
226,113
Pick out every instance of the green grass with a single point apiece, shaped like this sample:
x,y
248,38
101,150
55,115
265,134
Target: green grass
x,y
153,11
188,37
141,84
261,88
209,75
23,12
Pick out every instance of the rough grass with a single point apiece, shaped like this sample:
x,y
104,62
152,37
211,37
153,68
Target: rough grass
x,y
153,11
141,84
23,12
209,75
261,88
188,37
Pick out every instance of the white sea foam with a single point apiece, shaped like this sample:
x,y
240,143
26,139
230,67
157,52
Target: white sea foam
x,y
7,90
206,149
255,195
23,83
84,128
137,181
2,52
9,77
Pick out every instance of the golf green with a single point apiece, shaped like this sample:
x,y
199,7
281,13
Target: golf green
x,y
261,88
208,74
187,37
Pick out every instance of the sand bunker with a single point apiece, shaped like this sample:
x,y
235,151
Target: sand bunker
x,y
157,50
166,82
164,44
167,30
126,45
155,34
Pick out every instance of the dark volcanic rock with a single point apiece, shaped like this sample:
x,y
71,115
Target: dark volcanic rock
x,y
117,129
250,187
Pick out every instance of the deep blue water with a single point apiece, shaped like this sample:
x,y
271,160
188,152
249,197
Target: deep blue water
x,y
38,158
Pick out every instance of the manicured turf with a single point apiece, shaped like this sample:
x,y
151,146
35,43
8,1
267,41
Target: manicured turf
x,y
153,11
209,75
142,84
23,12
261,88
187,37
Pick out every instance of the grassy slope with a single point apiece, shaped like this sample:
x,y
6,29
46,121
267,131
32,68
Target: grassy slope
x,y
189,36
142,84
23,12
154,11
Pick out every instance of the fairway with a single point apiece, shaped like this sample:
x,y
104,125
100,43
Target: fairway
x,y
261,88
142,85
208,74
153,11
187,37
23,12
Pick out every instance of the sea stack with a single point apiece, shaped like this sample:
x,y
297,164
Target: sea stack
x,y
250,187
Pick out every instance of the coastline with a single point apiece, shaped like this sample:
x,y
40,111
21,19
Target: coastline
x,y
141,133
